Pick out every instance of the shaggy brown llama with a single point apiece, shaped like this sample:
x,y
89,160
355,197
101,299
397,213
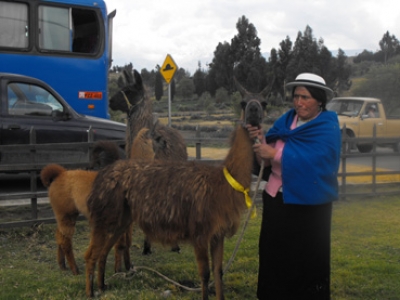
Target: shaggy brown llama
x,y
173,202
68,192
133,99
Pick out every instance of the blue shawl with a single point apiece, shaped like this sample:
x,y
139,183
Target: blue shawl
x,y
310,158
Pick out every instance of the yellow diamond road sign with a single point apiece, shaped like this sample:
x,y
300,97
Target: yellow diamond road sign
x,y
168,69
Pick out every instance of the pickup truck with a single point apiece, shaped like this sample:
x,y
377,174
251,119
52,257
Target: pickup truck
x,y
27,102
360,114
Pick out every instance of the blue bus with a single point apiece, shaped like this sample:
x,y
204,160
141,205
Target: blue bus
x,y
65,43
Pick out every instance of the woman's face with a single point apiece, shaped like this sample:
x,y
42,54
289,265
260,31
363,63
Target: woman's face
x,y
306,106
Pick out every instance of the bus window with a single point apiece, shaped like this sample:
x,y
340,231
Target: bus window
x,y
54,28
13,25
68,29
86,31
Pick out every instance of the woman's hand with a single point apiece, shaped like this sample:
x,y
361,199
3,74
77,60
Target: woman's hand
x,y
264,151
255,132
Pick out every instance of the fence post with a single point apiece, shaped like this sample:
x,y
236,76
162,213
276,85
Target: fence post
x,y
33,175
198,144
90,140
374,159
344,153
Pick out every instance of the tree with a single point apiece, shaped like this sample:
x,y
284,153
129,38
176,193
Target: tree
x,y
342,73
250,67
221,68
158,87
199,80
149,78
389,46
382,82
305,52
364,56
185,88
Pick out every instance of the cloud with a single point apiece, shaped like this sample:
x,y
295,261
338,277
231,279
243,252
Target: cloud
x,y
146,31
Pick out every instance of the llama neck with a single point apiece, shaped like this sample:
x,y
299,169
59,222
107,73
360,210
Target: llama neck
x,y
239,160
141,117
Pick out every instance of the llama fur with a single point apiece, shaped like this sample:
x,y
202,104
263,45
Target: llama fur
x,y
68,191
173,202
133,99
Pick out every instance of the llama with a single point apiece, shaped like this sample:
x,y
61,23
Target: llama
x,y
68,192
105,153
133,99
173,202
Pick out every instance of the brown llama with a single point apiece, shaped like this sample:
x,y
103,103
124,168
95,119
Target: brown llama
x,y
104,153
132,98
68,192
173,202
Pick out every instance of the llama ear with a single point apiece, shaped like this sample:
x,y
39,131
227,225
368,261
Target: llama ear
x,y
240,88
121,82
267,90
137,78
128,77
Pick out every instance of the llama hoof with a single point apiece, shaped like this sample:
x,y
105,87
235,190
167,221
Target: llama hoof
x,y
103,288
176,249
76,272
146,252
132,269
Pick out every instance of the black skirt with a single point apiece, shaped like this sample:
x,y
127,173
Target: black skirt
x,y
294,251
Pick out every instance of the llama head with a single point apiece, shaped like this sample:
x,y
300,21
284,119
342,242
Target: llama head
x,y
253,104
132,92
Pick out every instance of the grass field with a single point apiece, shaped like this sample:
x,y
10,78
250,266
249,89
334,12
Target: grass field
x,y
365,260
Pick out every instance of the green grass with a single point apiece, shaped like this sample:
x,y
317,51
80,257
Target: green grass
x,y
365,260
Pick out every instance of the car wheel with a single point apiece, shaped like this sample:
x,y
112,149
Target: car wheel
x,y
396,147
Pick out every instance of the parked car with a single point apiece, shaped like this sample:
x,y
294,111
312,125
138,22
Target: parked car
x,y
27,102
361,114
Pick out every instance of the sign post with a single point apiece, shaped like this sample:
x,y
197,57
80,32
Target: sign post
x,y
168,70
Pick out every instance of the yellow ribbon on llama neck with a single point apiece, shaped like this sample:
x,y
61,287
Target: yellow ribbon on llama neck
x,y
238,187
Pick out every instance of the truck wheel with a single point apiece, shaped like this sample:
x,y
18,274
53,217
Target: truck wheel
x,y
364,148
396,147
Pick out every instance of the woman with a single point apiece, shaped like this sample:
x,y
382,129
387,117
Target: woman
x,y
303,149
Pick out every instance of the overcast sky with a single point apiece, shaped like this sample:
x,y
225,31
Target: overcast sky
x,y
190,30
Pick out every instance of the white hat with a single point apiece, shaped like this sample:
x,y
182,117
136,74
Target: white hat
x,y
309,79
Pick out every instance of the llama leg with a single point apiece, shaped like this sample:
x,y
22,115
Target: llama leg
x,y
146,246
60,252
217,256
118,253
128,240
92,254
64,234
109,243
176,249
122,248
201,253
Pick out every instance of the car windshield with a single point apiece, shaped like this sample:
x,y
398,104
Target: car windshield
x,y
345,107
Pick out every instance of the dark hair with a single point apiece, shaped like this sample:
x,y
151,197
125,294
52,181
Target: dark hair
x,y
317,94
